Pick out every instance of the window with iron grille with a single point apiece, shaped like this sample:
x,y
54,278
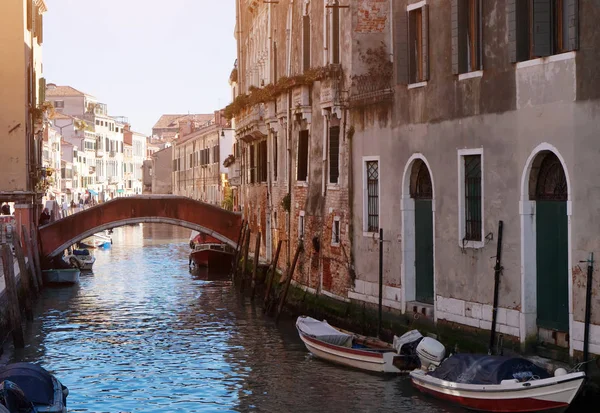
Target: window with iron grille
x,y
472,165
372,172
302,167
335,231
334,154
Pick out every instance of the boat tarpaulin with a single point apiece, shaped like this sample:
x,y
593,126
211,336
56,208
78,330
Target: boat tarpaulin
x,y
321,330
484,369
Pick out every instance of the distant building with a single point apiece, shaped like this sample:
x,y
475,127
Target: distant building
x,y
134,168
161,171
167,126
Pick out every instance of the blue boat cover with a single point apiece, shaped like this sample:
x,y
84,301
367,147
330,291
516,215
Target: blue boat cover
x,y
35,381
484,369
81,252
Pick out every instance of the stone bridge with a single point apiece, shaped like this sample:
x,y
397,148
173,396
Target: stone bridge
x,y
168,209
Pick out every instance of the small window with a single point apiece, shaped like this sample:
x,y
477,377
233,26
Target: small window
x,y
418,45
471,198
301,225
334,154
466,36
372,196
302,166
275,149
252,170
97,122
59,104
335,231
262,165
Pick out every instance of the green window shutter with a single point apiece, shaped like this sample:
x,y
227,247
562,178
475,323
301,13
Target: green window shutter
x,y
425,40
401,45
542,28
572,10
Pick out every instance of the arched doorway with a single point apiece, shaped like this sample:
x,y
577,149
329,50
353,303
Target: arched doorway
x,y
418,225
548,188
422,192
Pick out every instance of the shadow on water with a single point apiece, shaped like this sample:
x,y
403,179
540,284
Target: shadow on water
x,y
143,334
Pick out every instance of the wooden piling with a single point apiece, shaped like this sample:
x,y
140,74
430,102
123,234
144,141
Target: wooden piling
x,y
35,250
237,250
238,254
256,259
32,268
13,298
270,276
245,268
24,275
288,280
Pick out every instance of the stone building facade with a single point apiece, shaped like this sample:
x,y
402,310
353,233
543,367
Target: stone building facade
x,y
291,136
491,121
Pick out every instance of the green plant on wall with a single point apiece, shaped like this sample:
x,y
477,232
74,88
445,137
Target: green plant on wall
x,y
286,202
228,199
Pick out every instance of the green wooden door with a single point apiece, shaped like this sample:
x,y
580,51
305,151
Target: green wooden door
x,y
552,265
424,250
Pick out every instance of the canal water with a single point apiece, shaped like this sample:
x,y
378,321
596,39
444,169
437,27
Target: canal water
x,y
142,334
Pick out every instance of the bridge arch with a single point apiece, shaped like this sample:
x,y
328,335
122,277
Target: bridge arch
x,y
167,209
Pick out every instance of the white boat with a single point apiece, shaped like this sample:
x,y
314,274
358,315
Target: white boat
x,y
81,259
493,383
62,276
361,352
98,240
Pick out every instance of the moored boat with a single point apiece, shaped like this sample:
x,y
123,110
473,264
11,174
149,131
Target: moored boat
x,y
214,256
361,352
62,275
81,259
27,387
493,383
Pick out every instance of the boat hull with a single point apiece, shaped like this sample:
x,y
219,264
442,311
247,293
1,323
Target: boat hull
x,y
212,258
62,276
554,394
380,361
82,264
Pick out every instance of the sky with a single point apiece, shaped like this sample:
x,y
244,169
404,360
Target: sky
x,y
143,58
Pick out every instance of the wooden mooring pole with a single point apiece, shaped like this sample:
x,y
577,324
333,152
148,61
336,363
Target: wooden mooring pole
x,y
239,253
270,276
256,259
24,275
245,268
288,280
237,250
26,241
13,297
35,250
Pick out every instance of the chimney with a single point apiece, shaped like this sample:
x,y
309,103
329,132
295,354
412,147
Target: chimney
x,y
51,86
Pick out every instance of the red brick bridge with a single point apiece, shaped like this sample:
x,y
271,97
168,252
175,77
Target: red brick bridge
x,y
168,209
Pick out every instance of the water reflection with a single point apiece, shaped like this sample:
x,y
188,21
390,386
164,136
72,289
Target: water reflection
x,y
142,334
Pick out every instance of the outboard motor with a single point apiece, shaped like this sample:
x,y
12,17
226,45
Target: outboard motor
x,y
14,399
431,353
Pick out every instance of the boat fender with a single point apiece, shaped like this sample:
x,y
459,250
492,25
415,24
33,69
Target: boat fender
x,y
560,372
509,381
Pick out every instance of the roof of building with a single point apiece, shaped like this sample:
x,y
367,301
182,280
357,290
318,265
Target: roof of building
x,y
53,90
172,121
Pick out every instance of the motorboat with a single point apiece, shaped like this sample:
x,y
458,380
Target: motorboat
x,y
81,259
212,255
97,241
493,383
61,275
29,388
366,353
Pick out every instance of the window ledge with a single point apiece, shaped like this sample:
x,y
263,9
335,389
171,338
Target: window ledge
x,y
470,75
544,60
471,244
335,244
333,187
374,235
417,85
301,183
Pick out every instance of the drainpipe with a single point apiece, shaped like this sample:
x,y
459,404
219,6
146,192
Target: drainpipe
x,y
289,130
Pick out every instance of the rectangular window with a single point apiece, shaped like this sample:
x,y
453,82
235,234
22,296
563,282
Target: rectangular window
x,y
302,166
252,165
306,42
335,32
539,28
470,164
274,63
418,45
466,36
334,154
263,161
275,156
335,231
372,195
59,104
